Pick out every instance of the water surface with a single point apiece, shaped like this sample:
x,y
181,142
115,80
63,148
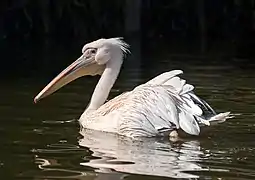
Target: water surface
x,y
43,141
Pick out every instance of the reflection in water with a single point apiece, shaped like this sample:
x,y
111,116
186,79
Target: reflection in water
x,y
141,156
52,166
110,153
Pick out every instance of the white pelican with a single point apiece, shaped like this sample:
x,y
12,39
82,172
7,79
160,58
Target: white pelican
x,y
157,108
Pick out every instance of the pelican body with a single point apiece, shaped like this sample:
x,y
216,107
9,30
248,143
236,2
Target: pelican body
x,y
158,107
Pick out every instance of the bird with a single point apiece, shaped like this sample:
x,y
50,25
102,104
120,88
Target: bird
x,y
163,106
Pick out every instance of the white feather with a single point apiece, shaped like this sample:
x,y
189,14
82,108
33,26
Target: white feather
x,y
164,77
150,108
188,123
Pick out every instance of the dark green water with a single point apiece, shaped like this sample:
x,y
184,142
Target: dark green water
x,y
42,141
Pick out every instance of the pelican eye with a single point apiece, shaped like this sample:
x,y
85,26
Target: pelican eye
x,y
93,51
89,52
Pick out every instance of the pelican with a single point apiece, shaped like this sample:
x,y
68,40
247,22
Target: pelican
x,y
160,107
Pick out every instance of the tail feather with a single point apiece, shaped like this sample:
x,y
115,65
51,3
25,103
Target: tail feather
x,y
220,118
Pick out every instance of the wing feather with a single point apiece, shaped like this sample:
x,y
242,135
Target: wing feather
x,y
162,104
164,77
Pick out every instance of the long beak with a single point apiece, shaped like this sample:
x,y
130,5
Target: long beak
x,y
80,67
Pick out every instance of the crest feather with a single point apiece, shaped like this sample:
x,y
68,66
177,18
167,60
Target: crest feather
x,y
122,44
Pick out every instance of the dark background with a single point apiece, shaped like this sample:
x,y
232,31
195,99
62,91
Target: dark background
x,y
39,37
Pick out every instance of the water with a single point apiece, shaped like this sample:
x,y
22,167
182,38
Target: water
x,y
42,141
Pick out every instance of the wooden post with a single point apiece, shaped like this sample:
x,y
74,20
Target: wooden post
x,y
132,29
132,16
202,25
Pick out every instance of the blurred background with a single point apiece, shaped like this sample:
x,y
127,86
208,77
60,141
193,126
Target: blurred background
x,y
33,31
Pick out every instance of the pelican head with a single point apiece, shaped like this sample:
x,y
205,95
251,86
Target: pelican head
x,y
93,61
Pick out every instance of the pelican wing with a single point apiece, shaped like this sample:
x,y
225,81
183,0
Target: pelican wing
x,y
164,77
162,104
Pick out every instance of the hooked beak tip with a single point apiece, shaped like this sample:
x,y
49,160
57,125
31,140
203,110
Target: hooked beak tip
x,y
36,100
